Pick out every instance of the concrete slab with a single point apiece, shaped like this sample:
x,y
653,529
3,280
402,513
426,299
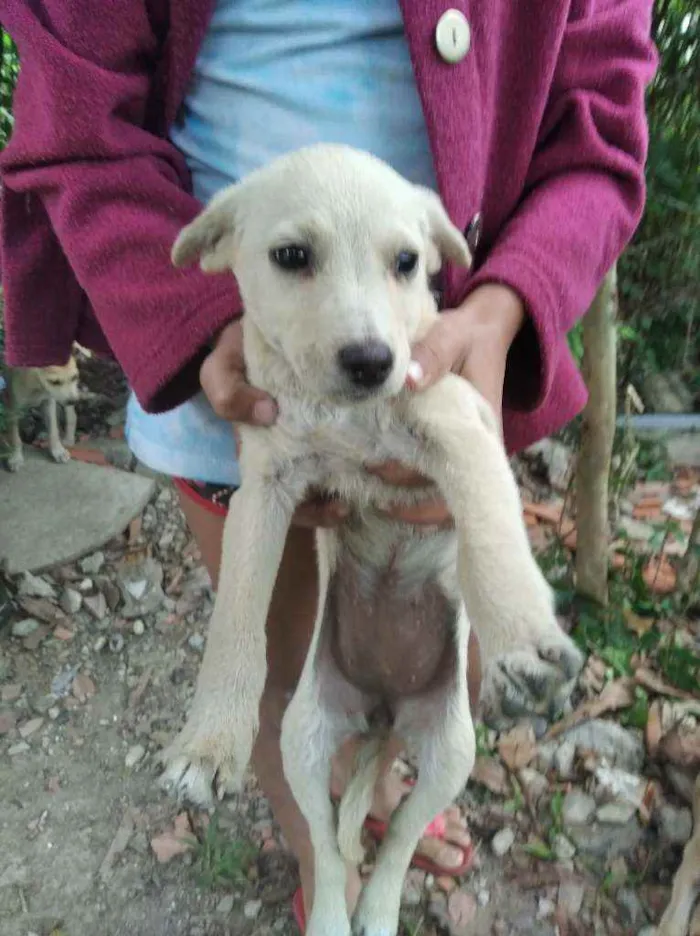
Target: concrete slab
x,y
51,514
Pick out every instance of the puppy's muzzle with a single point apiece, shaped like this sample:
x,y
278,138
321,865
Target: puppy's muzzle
x,y
367,365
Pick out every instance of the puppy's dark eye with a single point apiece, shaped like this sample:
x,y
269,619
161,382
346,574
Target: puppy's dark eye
x,y
292,257
406,262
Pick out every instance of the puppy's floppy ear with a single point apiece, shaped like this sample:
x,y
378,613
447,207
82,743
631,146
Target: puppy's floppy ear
x,y
449,241
210,237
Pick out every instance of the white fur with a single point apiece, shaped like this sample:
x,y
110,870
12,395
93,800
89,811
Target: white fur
x,y
356,214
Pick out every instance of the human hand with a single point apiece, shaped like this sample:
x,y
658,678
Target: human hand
x,y
224,382
472,341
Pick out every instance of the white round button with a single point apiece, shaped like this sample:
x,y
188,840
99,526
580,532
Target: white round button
x,y
453,36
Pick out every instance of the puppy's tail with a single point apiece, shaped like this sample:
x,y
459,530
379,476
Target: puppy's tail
x,y
356,802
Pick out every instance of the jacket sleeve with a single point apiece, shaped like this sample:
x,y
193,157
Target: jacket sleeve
x,y
115,194
585,189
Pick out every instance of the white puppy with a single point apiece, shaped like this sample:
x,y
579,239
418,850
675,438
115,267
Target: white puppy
x,y
333,252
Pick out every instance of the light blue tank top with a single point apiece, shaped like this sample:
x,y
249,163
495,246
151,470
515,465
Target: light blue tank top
x,y
272,76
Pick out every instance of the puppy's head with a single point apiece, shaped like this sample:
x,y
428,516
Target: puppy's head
x,y
333,252
60,381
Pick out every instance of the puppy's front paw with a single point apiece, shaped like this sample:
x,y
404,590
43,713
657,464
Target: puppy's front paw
x,y
531,680
60,454
203,764
15,461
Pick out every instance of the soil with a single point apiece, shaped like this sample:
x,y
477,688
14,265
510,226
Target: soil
x,y
82,812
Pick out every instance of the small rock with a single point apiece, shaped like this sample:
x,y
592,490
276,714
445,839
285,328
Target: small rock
x,y
116,642
24,627
502,842
631,910
62,682
196,642
578,808
615,813
32,586
134,755
141,588
564,757
29,728
563,848
606,841
413,886
675,825
138,628
570,899
483,897
461,910
225,905
91,565
251,909
545,908
534,782
11,692
71,601
54,712
96,605
35,638
20,748
8,720
100,643
621,747
86,585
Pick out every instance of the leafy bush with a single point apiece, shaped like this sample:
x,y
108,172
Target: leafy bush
x,y
659,274
9,68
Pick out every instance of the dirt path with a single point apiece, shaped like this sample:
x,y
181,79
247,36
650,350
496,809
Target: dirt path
x,y
97,667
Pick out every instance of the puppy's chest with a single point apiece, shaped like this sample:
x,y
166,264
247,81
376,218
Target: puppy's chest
x,y
335,443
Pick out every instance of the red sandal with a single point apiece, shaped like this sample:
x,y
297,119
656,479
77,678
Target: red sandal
x,y
436,829
298,911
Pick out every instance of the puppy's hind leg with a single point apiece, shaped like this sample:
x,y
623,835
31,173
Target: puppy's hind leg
x,y
441,734
313,729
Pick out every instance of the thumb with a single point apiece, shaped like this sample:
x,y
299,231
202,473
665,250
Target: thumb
x,y
432,357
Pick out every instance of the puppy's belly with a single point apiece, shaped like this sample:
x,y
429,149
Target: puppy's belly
x,y
387,642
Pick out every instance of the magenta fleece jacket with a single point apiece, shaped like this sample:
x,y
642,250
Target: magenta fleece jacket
x,y
540,128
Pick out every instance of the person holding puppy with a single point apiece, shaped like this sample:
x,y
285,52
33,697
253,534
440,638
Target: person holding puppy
x,y
527,118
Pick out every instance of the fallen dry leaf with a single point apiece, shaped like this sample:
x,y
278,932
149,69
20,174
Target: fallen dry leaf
x,y
660,576
638,624
653,730
490,772
654,683
616,695
83,687
681,745
63,633
518,747
173,842
549,513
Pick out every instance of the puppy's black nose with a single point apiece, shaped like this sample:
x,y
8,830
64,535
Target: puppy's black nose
x,y
367,364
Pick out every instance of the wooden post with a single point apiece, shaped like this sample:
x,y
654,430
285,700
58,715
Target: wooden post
x,y
597,435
